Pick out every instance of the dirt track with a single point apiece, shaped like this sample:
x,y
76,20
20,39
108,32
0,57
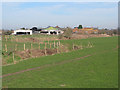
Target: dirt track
x,y
44,66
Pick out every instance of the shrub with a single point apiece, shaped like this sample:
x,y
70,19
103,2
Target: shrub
x,y
7,32
68,32
60,36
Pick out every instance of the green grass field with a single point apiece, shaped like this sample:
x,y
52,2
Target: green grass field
x,y
95,67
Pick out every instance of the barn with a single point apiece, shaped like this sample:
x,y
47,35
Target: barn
x,y
51,30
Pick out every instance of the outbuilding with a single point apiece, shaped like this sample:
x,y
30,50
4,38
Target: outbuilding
x,y
22,32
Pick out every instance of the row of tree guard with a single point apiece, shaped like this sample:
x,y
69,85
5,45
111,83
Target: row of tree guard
x,y
55,44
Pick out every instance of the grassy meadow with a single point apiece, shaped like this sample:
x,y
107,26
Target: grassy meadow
x,y
95,67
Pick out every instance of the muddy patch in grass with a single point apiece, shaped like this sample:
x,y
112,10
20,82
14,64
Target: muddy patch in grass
x,y
35,53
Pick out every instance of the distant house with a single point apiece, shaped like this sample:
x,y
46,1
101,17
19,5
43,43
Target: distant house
x,y
22,32
57,27
51,30
85,30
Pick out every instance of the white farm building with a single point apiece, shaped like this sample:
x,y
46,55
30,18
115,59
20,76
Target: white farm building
x,y
22,32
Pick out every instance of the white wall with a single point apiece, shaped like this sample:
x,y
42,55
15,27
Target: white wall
x,y
15,32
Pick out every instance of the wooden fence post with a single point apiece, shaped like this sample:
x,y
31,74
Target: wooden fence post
x,y
31,45
59,43
54,44
14,58
6,38
61,48
57,48
50,45
5,47
45,49
89,44
24,46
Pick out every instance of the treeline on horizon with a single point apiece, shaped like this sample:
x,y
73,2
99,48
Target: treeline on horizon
x,y
100,31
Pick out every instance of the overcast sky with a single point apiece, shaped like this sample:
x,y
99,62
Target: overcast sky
x,y
42,14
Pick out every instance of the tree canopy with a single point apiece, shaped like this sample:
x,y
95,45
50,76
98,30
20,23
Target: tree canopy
x,y
80,27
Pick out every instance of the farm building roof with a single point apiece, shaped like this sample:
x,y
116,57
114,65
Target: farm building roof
x,y
51,28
